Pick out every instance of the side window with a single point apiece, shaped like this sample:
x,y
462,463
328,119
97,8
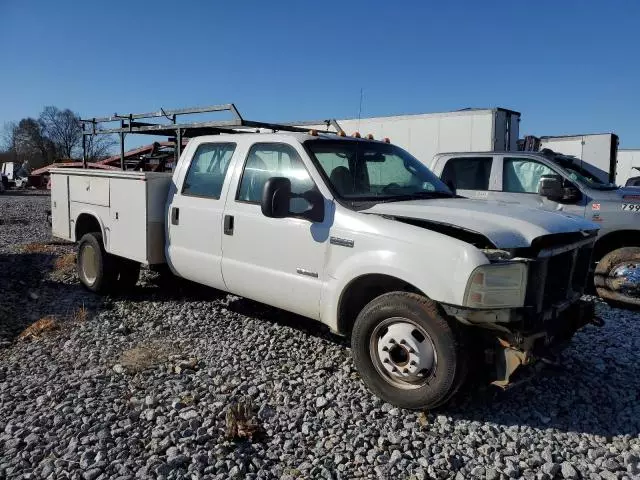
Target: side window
x,y
266,160
521,175
208,170
468,173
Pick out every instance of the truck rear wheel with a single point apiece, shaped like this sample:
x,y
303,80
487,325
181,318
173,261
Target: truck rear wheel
x,y
617,277
407,352
96,267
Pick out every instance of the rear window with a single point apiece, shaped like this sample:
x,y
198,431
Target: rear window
x,y
468,173
208,169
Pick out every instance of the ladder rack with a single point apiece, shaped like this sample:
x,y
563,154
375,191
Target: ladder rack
x,y
130,123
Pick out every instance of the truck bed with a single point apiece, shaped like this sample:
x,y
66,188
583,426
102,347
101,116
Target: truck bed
x,y
129,205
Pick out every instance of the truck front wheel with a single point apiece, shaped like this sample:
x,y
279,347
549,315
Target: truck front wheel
x,y
407,352
617,277
96,268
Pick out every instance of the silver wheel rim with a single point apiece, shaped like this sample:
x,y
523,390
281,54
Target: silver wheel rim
x,y
403,353
89,264
626,278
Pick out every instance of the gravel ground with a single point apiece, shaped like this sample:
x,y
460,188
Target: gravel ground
x,y
138,386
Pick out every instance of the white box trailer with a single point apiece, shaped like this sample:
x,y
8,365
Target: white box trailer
x,y
426,134
130,206
628,165
597,152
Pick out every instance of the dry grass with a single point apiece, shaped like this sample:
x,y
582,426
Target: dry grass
x,y
37,248
39,328
80,314
141,358
240,422
65,263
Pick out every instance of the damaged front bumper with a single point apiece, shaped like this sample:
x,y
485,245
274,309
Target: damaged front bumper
x,y
516,337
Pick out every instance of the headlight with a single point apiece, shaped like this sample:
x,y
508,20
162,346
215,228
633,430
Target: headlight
x,y
497,286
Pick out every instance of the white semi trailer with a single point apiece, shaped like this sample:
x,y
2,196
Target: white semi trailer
x,y
597,152
427,134
628,166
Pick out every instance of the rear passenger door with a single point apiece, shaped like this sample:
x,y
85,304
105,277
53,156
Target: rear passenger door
x,y
471,176
194,214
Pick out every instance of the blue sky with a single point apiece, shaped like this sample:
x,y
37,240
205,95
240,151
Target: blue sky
x,y
568,66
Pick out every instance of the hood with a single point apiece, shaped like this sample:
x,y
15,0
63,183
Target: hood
x,y
505,225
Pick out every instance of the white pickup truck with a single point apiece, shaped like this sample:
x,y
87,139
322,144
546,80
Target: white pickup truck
x,y
355,233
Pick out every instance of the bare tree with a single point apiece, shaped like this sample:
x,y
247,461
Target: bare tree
x,y
8,139
99,146
62,127
31,145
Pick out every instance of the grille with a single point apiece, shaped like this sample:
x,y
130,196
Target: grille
x,y
556,287
554,279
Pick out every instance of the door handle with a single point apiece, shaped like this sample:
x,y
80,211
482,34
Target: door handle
x,y
228,224
175,215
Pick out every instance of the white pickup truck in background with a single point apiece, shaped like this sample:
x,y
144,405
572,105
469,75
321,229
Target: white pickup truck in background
x,y
354,233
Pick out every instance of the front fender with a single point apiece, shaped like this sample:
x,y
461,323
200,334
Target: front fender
x,y
440,275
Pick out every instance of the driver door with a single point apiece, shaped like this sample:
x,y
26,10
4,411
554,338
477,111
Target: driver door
x,y
277,261
519,184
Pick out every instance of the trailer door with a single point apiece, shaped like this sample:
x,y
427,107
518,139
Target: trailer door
x,y
60,206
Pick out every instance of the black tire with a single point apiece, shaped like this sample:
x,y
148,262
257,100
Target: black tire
x,y
128,273
96,268
612,289
444,377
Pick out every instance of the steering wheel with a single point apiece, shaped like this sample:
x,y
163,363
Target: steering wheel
x,y
390,187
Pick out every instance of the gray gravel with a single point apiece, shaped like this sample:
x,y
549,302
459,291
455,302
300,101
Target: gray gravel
x,y
140,388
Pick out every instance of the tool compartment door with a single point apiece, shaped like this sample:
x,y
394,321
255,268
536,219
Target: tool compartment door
x,y
127,226
60,226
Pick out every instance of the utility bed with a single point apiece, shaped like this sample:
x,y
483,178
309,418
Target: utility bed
x,y
131,206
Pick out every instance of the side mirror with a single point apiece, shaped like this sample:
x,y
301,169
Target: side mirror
x,y
551,188
277,196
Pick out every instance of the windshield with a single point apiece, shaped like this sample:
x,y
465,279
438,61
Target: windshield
x,y
374,171
579,174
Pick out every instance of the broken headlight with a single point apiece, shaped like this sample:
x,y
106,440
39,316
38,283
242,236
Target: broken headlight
x,y
497,286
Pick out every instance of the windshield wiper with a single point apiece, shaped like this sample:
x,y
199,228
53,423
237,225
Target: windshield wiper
x,y
421,195
403,197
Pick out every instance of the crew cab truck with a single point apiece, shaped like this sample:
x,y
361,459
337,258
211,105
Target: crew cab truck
x,y
551,181
354,233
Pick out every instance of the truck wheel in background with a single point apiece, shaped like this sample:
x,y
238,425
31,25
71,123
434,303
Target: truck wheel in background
x,y
96,267
407,352
617,277
128,273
